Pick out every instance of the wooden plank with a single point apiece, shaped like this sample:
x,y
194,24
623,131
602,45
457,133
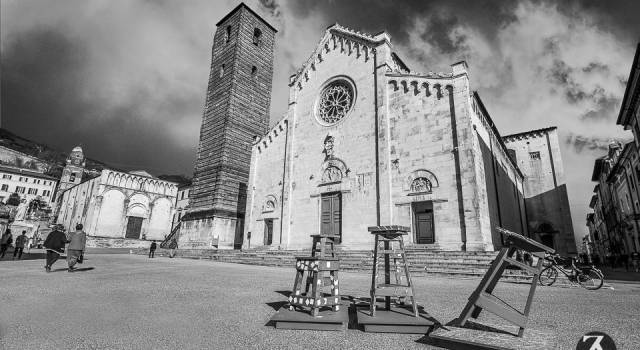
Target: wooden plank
x,y
523,242
326,320
392,228
522,266
458,338
395,320
500,308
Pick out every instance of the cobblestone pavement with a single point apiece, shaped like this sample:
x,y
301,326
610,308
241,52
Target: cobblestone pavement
x,y
132,302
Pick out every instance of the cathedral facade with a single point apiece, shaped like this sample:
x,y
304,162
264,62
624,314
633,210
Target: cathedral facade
x,y
365,141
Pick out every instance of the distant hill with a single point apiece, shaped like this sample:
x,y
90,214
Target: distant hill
x,y
56,158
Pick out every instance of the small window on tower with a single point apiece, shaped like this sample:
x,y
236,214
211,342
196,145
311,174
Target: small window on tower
x,y
534,155
227,34
72,178
257,36
221,70
254,72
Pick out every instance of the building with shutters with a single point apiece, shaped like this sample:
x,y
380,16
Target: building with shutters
x,y
120,209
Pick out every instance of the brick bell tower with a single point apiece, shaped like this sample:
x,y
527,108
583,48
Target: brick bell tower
x,y
236,110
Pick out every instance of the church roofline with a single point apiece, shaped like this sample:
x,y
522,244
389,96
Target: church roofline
x,y
337,29
430,75
25,172
494,129
632,91
146,177
530,132
242,4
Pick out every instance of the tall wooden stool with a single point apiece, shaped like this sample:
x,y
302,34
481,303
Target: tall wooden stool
x,y
322,284
482,298
397,318
385,237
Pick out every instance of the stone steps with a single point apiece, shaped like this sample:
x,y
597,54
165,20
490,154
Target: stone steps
x,y
462,264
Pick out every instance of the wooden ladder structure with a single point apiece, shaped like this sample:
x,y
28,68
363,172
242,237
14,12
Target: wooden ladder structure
x,y
482,299
385,237
321,270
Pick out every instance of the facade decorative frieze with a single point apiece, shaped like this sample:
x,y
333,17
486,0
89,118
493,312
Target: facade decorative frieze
x,y
346,41
421,86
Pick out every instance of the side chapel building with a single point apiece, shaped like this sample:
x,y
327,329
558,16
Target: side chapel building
x,y
365,141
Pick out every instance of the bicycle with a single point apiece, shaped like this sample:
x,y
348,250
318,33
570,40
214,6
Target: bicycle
x,y
588,277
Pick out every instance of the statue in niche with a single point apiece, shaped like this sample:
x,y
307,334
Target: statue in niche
x,y
328,147
331,174
21,211
421,184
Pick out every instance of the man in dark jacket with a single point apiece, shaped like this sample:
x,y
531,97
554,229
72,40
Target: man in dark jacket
x,y
20,242
54,244
152,249
5,241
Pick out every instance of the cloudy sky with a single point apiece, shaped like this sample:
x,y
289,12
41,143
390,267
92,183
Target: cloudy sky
x,y
127,79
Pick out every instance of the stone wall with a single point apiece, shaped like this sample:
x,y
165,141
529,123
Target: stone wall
x,y
104,204
236,110
547,203
266,185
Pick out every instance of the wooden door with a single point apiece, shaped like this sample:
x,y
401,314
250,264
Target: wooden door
x,y
268,231
331,215
134,226
424,228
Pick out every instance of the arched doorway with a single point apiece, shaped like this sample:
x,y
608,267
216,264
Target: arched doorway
x,y
546,232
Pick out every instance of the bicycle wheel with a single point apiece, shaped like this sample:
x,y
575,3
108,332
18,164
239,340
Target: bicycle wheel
x,y
591,280
548,276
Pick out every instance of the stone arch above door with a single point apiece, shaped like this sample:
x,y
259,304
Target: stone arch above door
x,y
420,181
333,170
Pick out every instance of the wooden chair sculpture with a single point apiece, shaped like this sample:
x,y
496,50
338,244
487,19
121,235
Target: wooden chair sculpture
x,y
321,271
482,299
385,236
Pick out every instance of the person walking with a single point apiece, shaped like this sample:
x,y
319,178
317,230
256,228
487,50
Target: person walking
x,y
173,245
5,241
635,260
75,250
152,249
54,244
20,242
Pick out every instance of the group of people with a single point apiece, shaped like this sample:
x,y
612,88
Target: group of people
x,y
173,246
21,242
55,246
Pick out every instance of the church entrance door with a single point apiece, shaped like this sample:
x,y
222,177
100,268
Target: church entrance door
x,y
134,226
268,231
423,222
331,215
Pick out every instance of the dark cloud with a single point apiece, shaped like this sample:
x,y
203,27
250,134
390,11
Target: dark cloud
x,y
596,66
593,144
44,82
605,106
397,17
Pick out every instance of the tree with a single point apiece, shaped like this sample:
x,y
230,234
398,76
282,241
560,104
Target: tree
x,y
14,199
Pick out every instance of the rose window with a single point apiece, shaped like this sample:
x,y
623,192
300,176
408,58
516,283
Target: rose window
x,y
335,102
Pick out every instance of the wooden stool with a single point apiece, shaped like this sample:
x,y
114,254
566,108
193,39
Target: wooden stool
x,y
482,298
385,236
321,270
324,245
